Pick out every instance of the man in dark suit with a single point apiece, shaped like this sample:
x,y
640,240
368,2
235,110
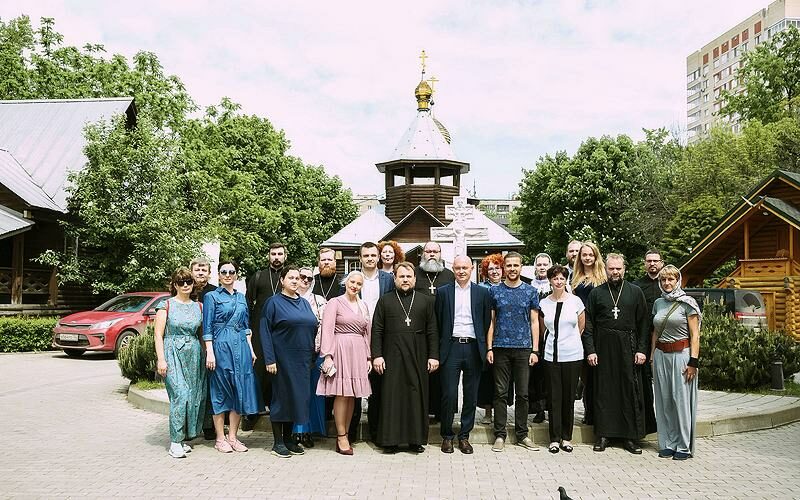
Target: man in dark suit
x,y
376,283
463,313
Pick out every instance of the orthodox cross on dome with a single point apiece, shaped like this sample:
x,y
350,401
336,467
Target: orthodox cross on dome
x,y
432,81
457,232
422,58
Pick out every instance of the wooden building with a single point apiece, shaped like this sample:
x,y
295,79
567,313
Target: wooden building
x,y
763,234
41,142
422,175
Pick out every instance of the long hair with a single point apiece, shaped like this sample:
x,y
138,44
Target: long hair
x,y
594,275
399,255
494,258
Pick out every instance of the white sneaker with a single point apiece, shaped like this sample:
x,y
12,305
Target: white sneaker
x,y
499,444
176,450
186,448
528,443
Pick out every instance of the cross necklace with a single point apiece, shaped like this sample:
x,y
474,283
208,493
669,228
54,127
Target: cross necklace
x,y
616,309
321,289
407,313
432,288
273,286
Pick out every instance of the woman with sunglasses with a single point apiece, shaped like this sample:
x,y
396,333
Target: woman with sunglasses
x,y
288,327
230,357
180,361
302,432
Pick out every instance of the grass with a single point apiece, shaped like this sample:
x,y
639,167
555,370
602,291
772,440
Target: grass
x,y
148,385
792,389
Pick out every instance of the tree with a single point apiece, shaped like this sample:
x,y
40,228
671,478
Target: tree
x,y
691,222
769,80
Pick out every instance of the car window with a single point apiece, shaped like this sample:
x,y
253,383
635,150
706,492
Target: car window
x,y
125,303
158,303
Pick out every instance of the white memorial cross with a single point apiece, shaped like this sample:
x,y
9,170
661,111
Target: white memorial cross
x,y
457,232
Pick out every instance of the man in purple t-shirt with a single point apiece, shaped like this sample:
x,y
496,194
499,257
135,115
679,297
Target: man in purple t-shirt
x,y
513,344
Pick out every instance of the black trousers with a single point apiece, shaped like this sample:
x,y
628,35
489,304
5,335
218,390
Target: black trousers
x,y
511,364
562,378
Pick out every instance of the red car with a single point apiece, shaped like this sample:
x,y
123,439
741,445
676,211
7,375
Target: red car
x,y
109,326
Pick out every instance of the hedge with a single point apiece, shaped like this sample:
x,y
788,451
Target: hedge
x,y
734,357
26,333
137,360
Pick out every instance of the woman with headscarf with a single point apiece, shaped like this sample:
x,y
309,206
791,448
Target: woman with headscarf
x,y
303,432
675,352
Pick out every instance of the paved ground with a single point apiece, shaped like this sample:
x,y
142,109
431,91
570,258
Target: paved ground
x,y
89,442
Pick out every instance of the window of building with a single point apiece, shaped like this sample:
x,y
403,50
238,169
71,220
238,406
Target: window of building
x,y
734,83
745,35
502,209
705,58
724,47
716,93
716,77
758,39
705,70
716,63
705,98
757,27
716,52
351,264
735,41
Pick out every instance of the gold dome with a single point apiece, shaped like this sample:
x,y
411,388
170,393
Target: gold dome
x,y
423,94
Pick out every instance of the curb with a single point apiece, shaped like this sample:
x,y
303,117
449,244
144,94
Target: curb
x,y
482,434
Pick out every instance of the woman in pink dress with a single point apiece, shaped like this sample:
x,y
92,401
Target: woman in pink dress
x,y
345,346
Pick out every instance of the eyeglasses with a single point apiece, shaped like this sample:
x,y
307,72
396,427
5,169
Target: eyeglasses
x,y
184,282
306,278
494,270
227,272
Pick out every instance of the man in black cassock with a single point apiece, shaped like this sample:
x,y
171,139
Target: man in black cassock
x,y
430,275
260,287
404,351
615,341
653,263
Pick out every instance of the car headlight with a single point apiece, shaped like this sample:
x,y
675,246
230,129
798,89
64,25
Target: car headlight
x,y
106,324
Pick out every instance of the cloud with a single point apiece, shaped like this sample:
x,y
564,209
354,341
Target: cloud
x,y
517,79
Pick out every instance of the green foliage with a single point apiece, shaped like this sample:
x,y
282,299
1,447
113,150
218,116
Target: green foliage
x,y
150,195
137,360
26,333
769,80
737,358
691,221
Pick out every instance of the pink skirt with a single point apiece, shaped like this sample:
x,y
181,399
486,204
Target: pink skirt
x,y
351,377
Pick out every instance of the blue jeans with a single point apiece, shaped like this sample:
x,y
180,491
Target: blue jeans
x,y
463,358
508,363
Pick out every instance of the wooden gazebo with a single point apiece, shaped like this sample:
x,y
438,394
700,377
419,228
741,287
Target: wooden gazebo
x,y
763,234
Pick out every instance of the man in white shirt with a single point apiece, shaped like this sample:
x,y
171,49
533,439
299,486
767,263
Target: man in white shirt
x,y
463,313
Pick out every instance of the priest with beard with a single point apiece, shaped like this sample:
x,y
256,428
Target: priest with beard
x,y
327,283
615,342
404,351
430,275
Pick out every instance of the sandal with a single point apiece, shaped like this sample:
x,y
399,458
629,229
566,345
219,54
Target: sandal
x,y
553,448
566,447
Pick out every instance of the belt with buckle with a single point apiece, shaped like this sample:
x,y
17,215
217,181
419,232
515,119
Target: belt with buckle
x,y
463,340
676,346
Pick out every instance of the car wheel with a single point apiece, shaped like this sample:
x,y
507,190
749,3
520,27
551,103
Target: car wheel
x,y
74,353
124,339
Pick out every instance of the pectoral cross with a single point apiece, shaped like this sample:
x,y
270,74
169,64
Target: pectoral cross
x,y
615,311
408,321
432,289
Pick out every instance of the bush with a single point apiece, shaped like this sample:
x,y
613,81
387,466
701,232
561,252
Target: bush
x,y
26,333
735,357
137,360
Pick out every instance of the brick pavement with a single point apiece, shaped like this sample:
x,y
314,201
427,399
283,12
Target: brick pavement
x,y
89,442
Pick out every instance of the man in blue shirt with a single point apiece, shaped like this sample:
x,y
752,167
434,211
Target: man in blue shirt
x,y
513,344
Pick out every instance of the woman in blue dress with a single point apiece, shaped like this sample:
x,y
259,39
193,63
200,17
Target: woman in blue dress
x,y
288,327
230,357
180,361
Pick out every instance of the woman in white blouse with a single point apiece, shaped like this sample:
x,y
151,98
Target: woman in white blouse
x,y
563,355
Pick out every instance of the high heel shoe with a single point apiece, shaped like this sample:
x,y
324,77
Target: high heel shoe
x,y
340,451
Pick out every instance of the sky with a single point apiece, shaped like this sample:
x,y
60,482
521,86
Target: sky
x,y
516,79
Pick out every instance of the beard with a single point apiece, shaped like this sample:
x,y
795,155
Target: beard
x,y
432,266
327,271
276,264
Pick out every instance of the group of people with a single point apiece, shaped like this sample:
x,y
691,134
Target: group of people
x,y
405,338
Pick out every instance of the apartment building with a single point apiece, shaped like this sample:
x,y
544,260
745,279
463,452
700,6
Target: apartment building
x,y
712,69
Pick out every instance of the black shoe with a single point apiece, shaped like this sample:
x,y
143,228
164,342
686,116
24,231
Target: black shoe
x,y
306,440
465,447
538,418
418,448
390,450
249,422
631,447
294,448
600,444
209,434
666,453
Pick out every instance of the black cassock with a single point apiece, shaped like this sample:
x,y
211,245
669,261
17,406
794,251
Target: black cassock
x,y
406,350
619,402
423,284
